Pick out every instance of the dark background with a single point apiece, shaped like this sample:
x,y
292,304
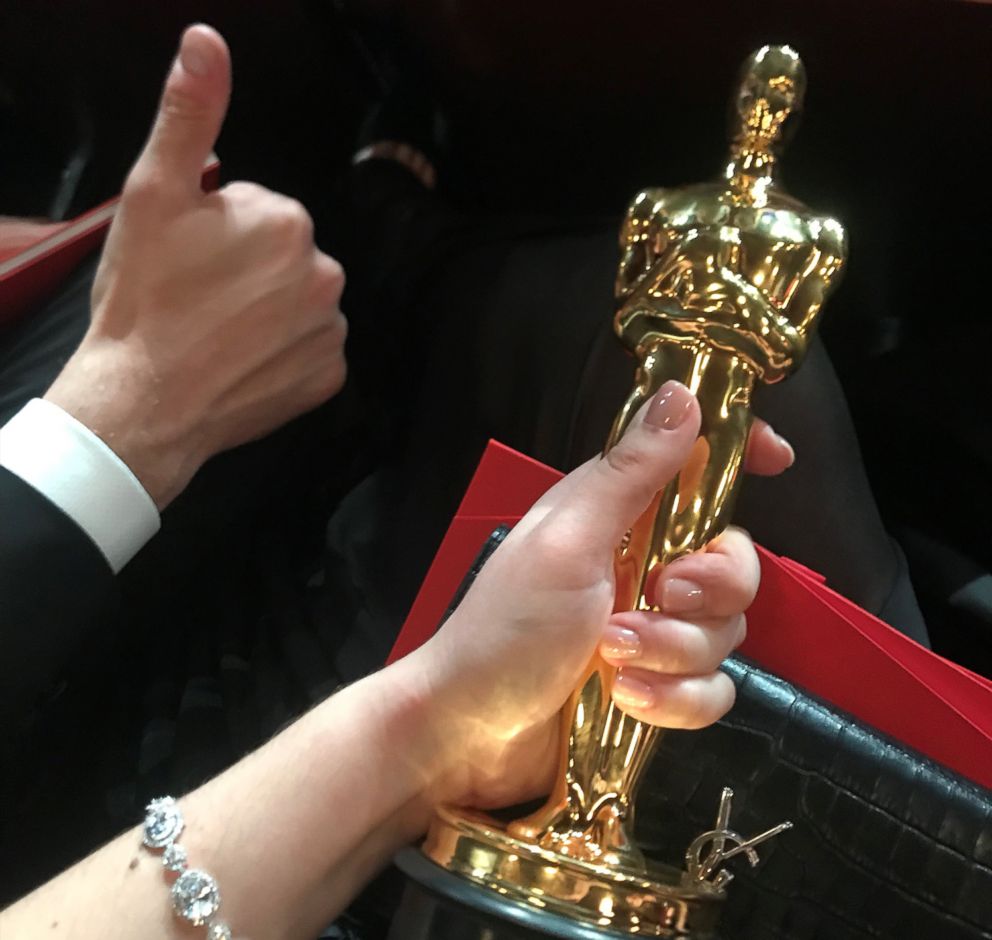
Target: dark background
x,y
568,108
557,109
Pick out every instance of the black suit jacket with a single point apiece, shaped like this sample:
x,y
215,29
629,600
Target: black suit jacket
x,y
56,588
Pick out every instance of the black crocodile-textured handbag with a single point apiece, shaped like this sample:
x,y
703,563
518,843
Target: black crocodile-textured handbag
x,y
885,843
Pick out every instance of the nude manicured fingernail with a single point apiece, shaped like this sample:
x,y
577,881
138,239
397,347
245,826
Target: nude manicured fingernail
x,y
786,446
670,406
632,693
681,596
620,643
194,53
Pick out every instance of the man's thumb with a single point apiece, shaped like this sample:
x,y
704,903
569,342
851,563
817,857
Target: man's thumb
x,y
190,114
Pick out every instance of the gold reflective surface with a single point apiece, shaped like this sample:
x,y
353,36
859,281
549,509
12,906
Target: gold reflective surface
x,y
719,286
653,901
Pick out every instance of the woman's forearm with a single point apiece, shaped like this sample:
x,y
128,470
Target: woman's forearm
x,y
470,718
290,833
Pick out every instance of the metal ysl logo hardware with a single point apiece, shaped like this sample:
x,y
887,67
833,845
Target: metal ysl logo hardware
x,y
707,866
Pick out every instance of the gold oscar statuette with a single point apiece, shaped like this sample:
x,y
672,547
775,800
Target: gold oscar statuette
x,y
719,286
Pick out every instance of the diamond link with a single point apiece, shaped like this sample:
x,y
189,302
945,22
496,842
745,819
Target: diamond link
x,y
195,897
174,857
195,894
163,822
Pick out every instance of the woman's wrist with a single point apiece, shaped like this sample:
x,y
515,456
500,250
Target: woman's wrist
x,y
444,726
412,714
369,748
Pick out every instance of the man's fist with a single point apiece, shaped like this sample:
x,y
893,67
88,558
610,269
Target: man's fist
x,y
215,318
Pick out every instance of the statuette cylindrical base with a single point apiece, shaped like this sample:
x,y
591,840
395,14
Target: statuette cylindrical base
x,y
472,872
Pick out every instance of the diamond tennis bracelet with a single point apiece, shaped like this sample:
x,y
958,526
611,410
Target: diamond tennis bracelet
x,y
195,895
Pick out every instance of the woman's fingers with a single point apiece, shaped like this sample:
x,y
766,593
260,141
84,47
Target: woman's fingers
x,y
688,702
663,644
767,453
719,581
668,659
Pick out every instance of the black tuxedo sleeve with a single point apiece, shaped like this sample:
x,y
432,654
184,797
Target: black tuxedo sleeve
x,y
55,589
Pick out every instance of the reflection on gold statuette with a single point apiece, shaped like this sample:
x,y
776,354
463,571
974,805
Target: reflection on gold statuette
x,y
719,286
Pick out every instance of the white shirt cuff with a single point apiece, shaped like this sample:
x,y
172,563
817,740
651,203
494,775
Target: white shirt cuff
x,y
67,463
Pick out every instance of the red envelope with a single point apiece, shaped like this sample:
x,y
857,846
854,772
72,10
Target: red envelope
x,y
798,628
505,485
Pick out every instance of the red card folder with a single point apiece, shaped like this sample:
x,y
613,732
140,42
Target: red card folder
x,y
798,628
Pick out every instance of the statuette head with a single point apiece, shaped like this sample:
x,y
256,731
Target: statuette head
x,y
771,88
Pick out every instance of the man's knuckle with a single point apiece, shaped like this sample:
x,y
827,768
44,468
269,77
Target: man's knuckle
x,y
331,342
339,328
143,187
244,191
293,221
329,281
327,382
336,272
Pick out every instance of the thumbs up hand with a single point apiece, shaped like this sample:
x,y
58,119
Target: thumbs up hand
x,y
215,318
